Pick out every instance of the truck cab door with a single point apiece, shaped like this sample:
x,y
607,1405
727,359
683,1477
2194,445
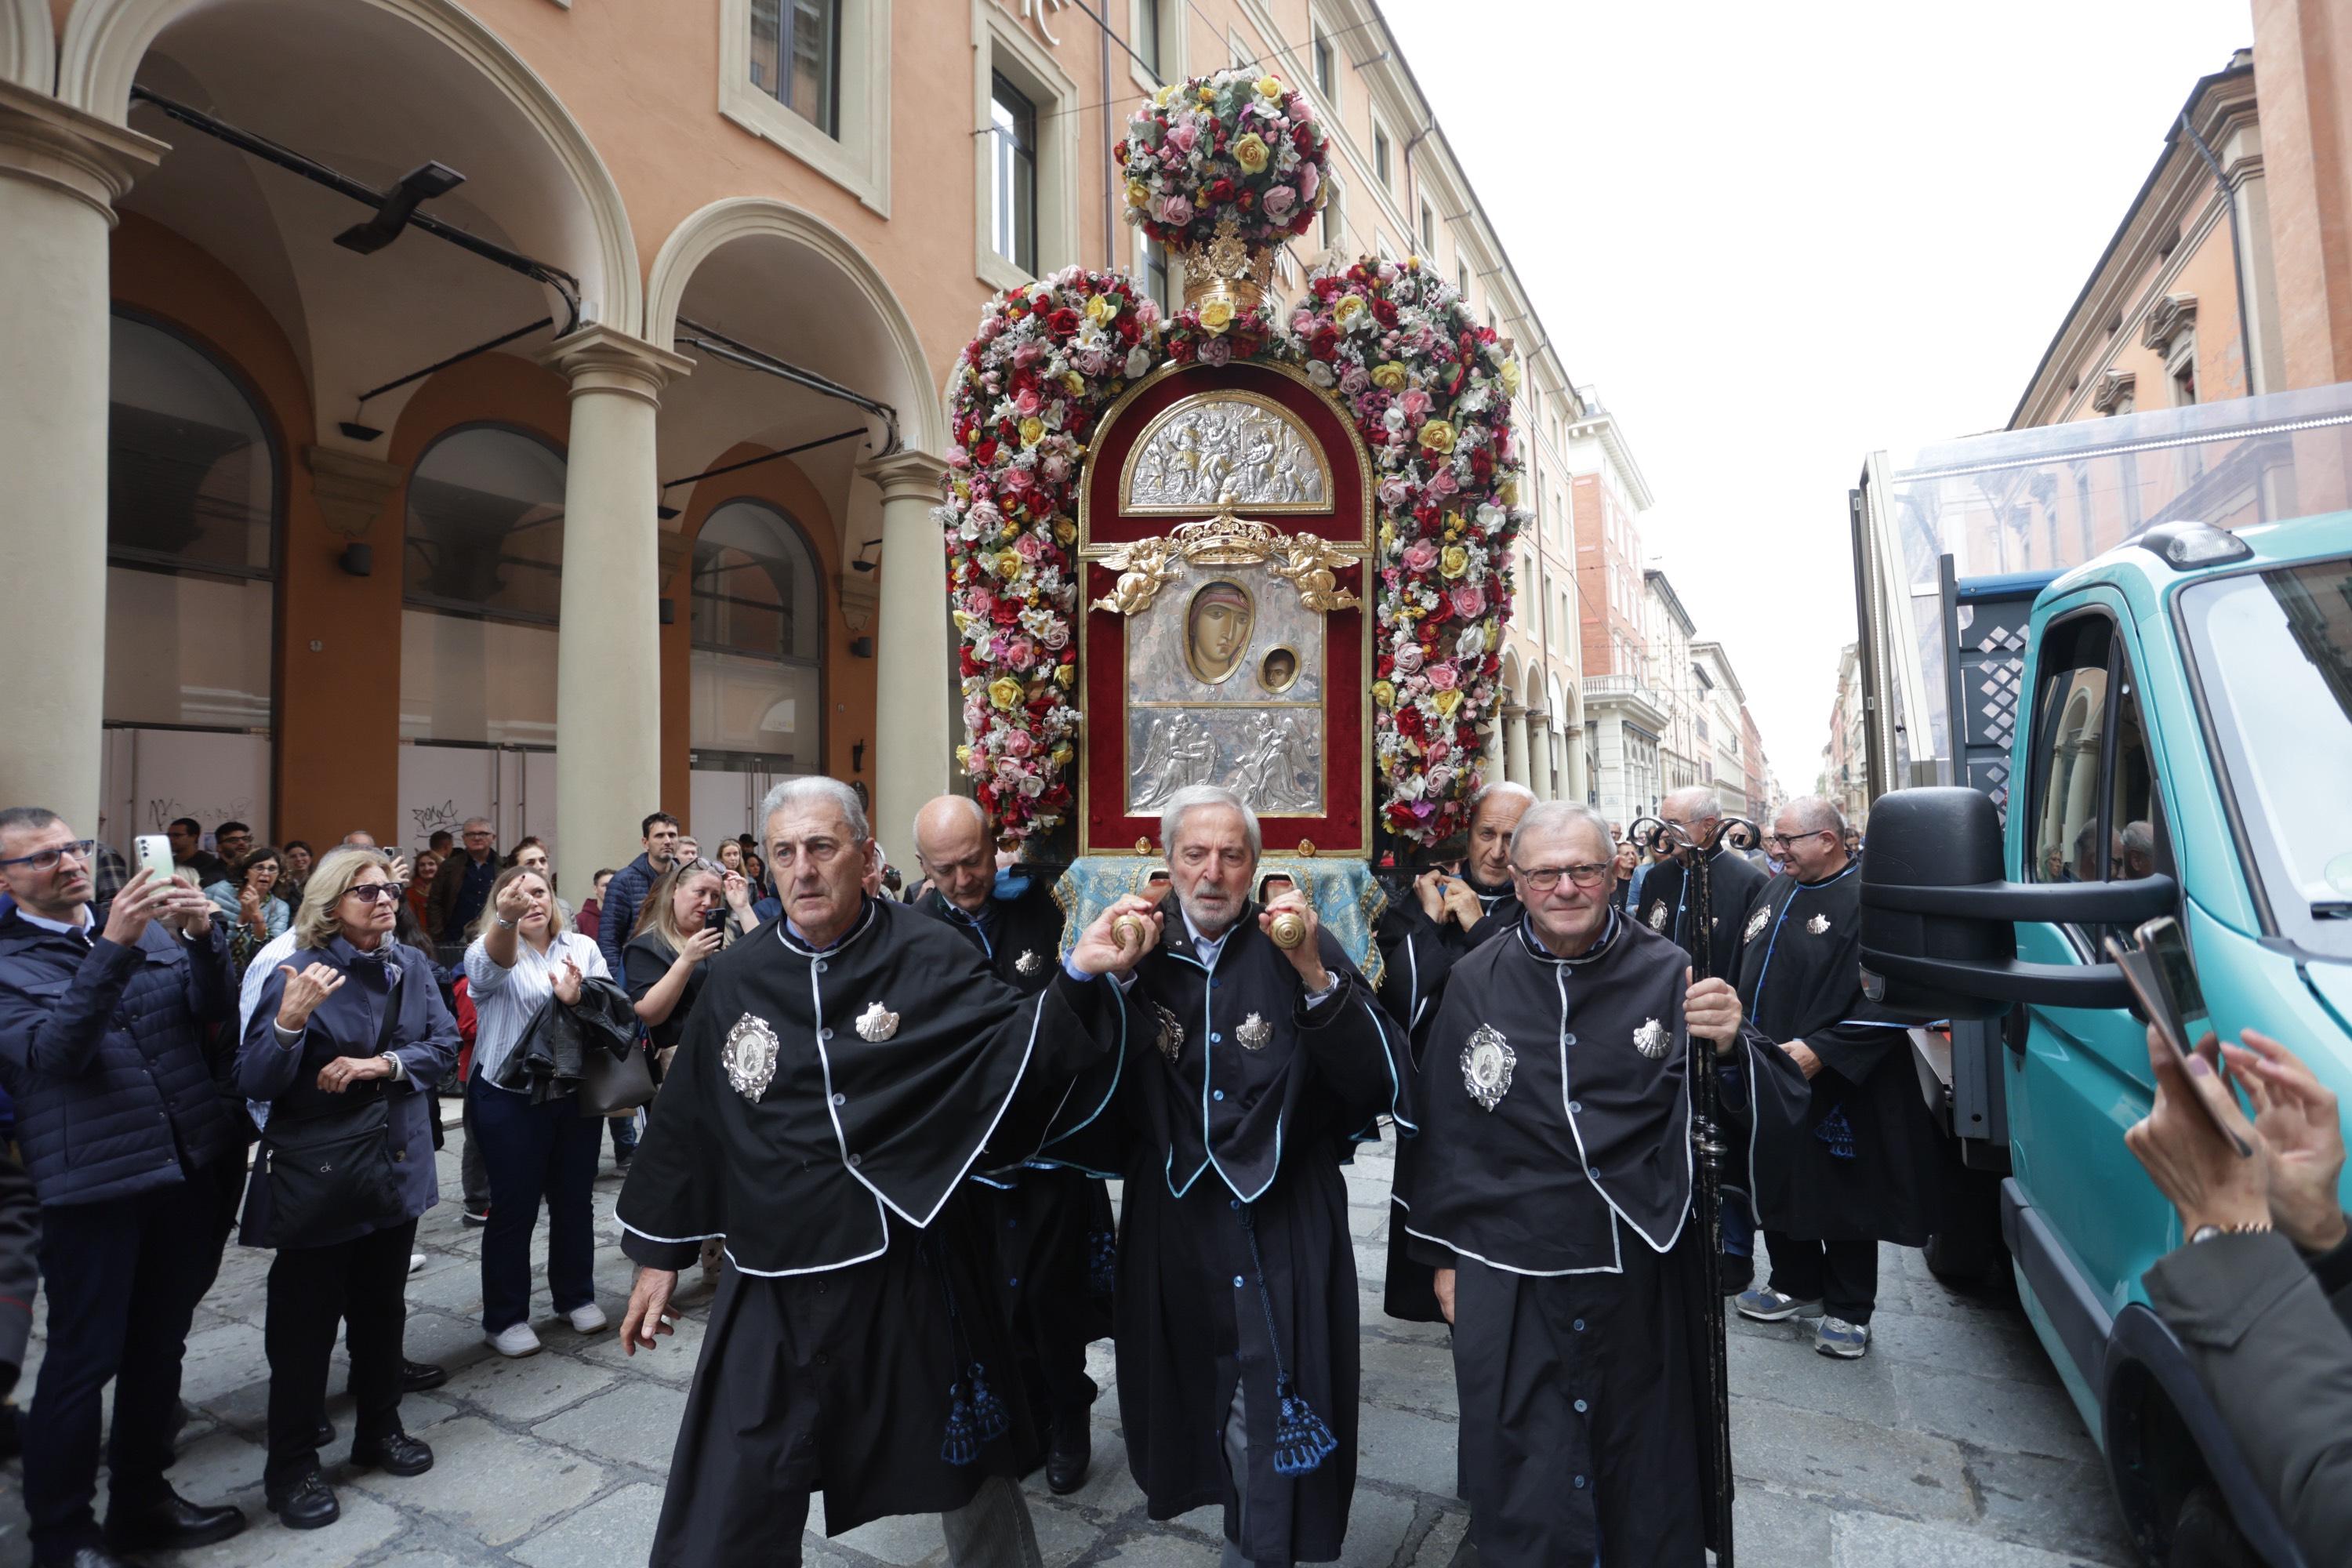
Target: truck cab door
x,y
2090,807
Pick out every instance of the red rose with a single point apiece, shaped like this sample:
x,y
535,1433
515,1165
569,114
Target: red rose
x,y
1063,322
1221,190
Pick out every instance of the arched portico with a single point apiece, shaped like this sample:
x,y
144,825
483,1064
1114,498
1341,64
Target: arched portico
x,y
28,47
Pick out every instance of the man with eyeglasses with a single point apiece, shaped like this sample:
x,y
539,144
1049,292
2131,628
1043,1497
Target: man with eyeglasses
x,y
1857,1164
461,888
1051,1225
101,1014
1551,1190
846,1066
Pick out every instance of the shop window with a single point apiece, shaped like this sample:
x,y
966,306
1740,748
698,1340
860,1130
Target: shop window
x,y
482,567
758,609
191,539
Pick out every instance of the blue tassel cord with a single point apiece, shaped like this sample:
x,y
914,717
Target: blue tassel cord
x,y
975,1415
1837,1132
986,1408
1102,1262
1302,1439
962,1446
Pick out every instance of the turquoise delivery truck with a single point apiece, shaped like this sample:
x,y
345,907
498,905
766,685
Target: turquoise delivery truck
x,y
2107,671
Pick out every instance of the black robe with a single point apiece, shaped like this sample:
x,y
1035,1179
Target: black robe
x,y
1235,1109
1566,1208
858,1293
1049,1226
1669,907
1857,1158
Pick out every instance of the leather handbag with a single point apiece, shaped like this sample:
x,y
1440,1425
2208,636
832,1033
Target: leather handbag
x,y
611,1085
331,1173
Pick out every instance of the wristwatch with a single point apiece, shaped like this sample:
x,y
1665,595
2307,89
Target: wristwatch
x,y
2208,1232
503,923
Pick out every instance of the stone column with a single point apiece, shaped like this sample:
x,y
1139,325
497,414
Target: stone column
x,y
1494,770
1539,753
61,170
608,657
916,730
1514,744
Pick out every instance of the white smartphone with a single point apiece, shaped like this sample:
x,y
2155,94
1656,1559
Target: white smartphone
x,y
152,852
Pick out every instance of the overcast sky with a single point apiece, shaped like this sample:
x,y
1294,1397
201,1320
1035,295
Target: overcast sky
x,y
1778,238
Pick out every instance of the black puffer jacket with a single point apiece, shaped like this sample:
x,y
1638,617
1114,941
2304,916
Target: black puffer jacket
x,y
551,1058
102,1048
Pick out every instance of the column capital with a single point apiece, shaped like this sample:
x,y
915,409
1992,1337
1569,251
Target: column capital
x,y
51,143
604,359
906,475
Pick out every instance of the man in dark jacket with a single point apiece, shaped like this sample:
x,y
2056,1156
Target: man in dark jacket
x,y
117,1116
627,889
462,886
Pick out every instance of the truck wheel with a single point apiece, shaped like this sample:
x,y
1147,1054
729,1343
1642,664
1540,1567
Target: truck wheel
x,y
2205,1536
1958,1260
1966,1245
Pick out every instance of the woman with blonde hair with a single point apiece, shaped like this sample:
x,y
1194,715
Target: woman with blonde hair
x,y
353,1019
522,957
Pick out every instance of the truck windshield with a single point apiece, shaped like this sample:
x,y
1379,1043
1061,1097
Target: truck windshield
x,y
2274,655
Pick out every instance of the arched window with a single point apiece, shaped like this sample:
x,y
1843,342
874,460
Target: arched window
x,y
482,569
759,641
191,539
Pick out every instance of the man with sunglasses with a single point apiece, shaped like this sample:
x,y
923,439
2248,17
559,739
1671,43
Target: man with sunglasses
x,y
1858,1165
1551,1189
102,1013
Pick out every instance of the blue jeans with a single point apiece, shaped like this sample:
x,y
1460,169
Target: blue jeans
x,y
536,1153
1739,1225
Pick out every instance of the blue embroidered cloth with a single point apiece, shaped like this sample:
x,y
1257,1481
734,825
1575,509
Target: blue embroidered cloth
x,y
1346,898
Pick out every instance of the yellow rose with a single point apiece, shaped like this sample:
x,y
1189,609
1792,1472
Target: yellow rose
x,y
1454,560
1008,564
1006,693
1033,430
963,620
1454,527
1062,755
1139,195
1216,316
1510,373
1447,702
1164,94
1508,493
1074,382
1383,693
1101,307
1437,435
1388,536
1269,87
1347,310
1065,675
1064,529
1389,378
1250,155
964,758
964,489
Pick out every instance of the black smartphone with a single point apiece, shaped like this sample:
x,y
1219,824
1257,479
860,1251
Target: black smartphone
x,y
715,919
2163,980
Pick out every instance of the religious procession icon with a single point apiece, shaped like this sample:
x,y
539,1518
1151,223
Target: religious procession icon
x,y
1756,923
1262,543
1487,1063
749,1057
1658,917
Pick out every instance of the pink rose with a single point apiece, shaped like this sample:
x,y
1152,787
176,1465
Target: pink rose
x,y
1302,321
1028,352
1468,599
1018,480
1021,653
1309,182
1019,743
1443,677
1395,492
1216,352
1183,136
1415,404
1027,547
1056,467
1419,557
1026,402
1408,658
1172,210
1354,380
1279,201
1055,637
1443,484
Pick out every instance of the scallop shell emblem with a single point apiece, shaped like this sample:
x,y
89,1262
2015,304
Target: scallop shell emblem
x,y
1818,924
1650,1039
877,1024
1028,962
1254,1033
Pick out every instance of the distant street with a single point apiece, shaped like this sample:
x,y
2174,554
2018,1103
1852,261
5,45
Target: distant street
x,y
1949,1446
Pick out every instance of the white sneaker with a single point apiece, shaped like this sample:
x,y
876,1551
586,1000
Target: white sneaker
x,y
514,1339
416,1262
588,1319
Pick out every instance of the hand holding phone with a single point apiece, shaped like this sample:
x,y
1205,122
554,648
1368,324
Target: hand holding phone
x,y
2165,992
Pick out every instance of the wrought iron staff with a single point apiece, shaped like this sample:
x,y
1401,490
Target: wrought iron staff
x,y
1705,1139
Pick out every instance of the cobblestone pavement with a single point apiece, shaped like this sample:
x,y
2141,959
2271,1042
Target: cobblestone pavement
x,y
1949,1447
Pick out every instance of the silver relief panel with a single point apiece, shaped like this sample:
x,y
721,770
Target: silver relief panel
x,y
1224,675
1229,447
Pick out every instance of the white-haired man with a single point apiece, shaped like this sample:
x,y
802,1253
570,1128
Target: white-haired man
x,y
843,1073
1856,1164
1550,1188
1049,1224
1236,1301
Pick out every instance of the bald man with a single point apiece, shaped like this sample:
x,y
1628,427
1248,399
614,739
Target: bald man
x,y
1051,1225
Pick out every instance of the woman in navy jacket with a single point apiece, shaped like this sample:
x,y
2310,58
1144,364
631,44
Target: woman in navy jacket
x,y
311,1049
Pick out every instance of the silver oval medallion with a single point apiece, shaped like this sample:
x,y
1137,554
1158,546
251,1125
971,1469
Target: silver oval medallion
x,y
1487,1061
749,1057
1657,919
1756,923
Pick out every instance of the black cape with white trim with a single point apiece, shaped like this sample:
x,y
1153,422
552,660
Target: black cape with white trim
x,y
1588,1150
799,1176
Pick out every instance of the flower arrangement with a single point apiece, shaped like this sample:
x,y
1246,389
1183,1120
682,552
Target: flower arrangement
x,y
1232,147
1430,394
1023,399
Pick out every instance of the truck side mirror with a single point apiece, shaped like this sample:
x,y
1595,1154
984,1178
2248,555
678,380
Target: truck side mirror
x,y
1931,838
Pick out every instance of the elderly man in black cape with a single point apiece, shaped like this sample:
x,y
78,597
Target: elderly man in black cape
x,y
847,1065
1236,1302
1050,1227
1858,1165
1669,906
1551,1188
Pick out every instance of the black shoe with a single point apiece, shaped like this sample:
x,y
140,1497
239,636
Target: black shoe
x,y
416,1376
324,1437
1070,1456
167,1522
308,1504
87,1557
476,1217
399,1454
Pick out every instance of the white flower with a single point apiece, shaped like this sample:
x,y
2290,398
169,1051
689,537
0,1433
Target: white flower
x,y
1138,361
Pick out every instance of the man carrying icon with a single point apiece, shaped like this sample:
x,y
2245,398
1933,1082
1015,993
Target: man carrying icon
x,y
1266,1053
842,1074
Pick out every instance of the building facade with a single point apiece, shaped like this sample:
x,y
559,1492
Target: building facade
x,y
542,419
1626,714
1845,778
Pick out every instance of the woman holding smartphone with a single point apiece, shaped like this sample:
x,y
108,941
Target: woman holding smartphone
x,y
247,898
682,925
522,959
352,1016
